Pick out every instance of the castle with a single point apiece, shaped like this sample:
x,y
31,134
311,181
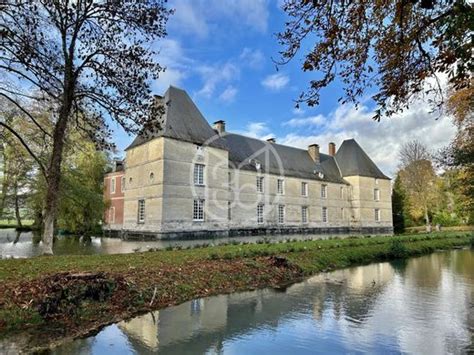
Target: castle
x,y
190,179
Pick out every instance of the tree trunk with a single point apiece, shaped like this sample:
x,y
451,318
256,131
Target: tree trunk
x,y
17,208
427,222
54,173
3,193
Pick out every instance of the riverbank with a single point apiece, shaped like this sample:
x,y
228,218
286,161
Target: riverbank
x,y
67,296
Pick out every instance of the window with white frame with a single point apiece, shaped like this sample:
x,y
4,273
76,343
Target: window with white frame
x,y
122,184
341,192
260,210
377,215
324,191
304,189
281,214
198,174
281,186
324,214
198,210
376,194
141,211
260,186
304,214
112,185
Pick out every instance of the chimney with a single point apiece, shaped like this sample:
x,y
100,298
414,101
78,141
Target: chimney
x,y
219,126
271,140
313,151
332,149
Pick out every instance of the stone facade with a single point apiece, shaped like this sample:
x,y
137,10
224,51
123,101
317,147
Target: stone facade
x,y
163,188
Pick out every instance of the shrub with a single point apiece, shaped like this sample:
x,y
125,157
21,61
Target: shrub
x,y
398,250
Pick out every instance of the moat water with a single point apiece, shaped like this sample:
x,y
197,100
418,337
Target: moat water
x,y
423,305
15,244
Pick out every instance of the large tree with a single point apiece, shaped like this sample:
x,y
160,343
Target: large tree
x,y
388,48
87,61
419,181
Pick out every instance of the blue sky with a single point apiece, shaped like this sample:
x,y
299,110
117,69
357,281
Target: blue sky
x,y
221,53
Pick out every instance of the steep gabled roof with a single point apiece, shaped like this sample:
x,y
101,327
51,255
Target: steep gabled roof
x,y
352,160
182,120
278,159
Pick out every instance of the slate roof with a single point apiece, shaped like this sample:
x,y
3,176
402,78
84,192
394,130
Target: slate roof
x,y
352,160
245,152
183,121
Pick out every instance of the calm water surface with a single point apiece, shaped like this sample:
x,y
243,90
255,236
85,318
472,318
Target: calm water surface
x,y
420,306
24,245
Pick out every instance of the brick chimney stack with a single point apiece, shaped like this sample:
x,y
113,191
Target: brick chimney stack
x,y
332,149
313,151
219,126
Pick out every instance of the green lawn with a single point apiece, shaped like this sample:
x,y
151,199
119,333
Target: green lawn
x,y
4,223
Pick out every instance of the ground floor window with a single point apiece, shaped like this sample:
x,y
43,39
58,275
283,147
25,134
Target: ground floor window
x,y
260,209
304,214
112,215
141,211
324,214
229,210
198,210
377,215
281,214
342,214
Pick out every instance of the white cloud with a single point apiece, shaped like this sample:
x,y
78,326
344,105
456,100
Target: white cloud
x,y
216,74
171,56
317,120
188,19
276,82
258,130
228,95
298,111
196,17
253,58
380,140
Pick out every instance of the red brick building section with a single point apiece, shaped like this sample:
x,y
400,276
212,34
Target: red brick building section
x,y
114,187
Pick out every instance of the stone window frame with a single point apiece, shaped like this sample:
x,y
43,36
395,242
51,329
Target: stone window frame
x,y
377,214
281,214
280,186
324,214
376,194
324,191
304,214
198,174
198,210
260,213
112,185
141,211
122,184
304,189
341,191
260,183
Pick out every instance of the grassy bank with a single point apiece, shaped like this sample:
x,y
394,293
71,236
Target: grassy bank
x,y
73,295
